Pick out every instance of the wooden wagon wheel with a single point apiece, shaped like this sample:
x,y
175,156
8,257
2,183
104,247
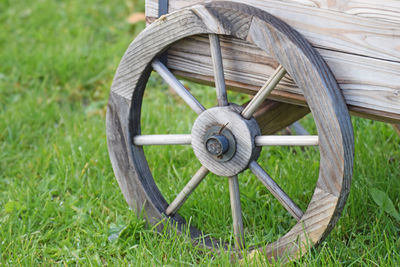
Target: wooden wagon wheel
x,y
226,139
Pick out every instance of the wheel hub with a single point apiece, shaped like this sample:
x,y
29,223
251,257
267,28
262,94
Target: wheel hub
x,y
223,140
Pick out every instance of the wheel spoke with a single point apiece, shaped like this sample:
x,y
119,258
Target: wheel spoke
x,y
175,84
162,139
274,188
263,93
218,70
236,211
287,140
187,190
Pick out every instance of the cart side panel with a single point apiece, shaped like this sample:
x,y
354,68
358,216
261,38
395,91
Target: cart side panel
x,y
383,10
329,29
363,52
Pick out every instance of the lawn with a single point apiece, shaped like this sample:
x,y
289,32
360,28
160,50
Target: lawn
x,y
59,200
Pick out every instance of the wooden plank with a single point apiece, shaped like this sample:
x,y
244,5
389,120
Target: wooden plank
x,y
273,116
355,32
369,85
384,10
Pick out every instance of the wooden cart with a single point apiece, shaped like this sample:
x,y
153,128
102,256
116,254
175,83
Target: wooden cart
x,y
296,57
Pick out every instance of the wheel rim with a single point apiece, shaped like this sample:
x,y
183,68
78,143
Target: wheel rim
x,y
260,28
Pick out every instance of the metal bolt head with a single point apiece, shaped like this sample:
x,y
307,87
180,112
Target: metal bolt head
x,y
217,145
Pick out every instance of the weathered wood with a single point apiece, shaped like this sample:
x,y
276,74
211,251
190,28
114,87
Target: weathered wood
x,y
286,140
243,130
361,48
318,213
277,39
187,191
263,93
374,114
162,139
274,116
262,140
275,190
236,207
386,11
218,70
327,29
177,86
370,86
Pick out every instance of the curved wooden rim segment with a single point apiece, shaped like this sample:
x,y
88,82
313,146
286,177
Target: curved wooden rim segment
x,y
300,60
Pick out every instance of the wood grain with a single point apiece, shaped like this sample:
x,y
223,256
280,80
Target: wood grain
x,y
313,225
218,70
243,130
289,49
286,140
274,116
162,139
234,195
275,189
264,92
187,191
328,28
386,10
360,40
367,84
177,86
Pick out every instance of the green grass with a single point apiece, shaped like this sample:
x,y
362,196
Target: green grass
x,y
59,201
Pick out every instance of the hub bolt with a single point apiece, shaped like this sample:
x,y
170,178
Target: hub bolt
x,y
217,145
